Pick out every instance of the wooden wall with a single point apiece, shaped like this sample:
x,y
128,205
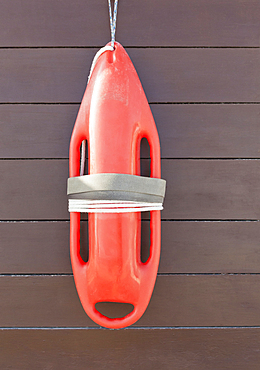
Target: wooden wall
x,y
199,62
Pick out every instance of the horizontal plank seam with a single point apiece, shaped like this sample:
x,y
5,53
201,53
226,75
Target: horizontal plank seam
x,y
36,220
163,158
189,47
146,220
207,274
203,103
129,328
36,159
129,47
150,103
207,158
25,275
205,220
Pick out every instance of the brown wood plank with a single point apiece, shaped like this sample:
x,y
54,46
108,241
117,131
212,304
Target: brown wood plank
x,y
168,75
34,247
208,131
36,131
33,189
196,189
210,247
202,349
187,247
201,189
164,23
186,131
180,300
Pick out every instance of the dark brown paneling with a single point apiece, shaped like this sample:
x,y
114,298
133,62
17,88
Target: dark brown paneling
x,y
211,189
208,131
186,131
80,23
36,131
33,189
187,247
180,300
206,247
168,75
196,189
201,349
34,247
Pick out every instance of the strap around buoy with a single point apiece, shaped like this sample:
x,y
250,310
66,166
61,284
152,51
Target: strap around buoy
x,y
115,193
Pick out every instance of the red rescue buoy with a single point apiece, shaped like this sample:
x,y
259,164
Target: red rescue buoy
x,y
113,117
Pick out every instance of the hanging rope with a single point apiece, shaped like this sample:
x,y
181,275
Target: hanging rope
x,y
113,21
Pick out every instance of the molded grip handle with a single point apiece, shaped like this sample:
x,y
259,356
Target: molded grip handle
x,y
147,271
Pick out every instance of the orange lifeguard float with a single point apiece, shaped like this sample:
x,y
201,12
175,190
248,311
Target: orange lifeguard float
x,y
113,118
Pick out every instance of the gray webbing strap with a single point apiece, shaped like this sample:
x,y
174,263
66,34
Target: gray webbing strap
x,y
111,192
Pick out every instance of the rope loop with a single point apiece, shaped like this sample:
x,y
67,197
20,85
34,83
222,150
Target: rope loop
x,y
113,21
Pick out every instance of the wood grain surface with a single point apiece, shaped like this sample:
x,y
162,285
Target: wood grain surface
x,y
168,75
185,130
178,300
197,189
196,349
163,23
187,247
